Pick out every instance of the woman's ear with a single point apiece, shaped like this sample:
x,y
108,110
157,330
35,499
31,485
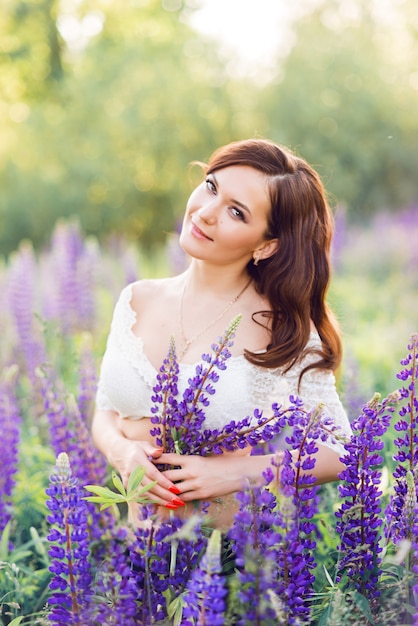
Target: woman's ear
x,y
267,249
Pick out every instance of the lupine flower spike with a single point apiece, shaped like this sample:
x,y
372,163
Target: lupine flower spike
x,y
272,536
359,522
297,505
163,556
10,433
114,583
400,521
402,510
205,597
69,549
254,541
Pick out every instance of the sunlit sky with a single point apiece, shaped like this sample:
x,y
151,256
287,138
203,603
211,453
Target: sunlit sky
x,y
251,31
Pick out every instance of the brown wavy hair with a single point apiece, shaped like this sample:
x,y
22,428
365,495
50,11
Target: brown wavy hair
x,y
296,278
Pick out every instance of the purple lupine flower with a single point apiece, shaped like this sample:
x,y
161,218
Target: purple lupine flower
x,y
359,522
68,432
69,551
254,541
195,397
165,392
400,525
339,240
72,303
415,564
90,465
21,298
353,396
10,422
86,279
66,250
163,556
60,425
205,596
297,505
87,381
114,583
127,261
178,424
246,432
279,583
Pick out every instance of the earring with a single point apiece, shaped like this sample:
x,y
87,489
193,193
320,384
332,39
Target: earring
x,y
256,259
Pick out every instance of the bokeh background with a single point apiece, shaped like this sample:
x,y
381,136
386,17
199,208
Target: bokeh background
x,y
103,105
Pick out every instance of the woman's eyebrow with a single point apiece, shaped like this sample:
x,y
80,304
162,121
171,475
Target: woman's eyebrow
x,y
237,202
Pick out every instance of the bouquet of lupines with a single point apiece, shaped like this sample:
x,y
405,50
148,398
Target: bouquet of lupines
x,y
271,537
179,423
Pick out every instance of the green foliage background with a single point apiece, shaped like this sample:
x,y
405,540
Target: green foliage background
x,y
105,129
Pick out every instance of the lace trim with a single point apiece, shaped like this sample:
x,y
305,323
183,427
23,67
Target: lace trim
x,y
267,385
131,345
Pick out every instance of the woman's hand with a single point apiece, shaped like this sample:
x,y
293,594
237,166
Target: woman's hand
x,y
126,454
203,478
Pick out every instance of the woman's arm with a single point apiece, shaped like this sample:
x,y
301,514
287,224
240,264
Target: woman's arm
x,y
201,478
126,454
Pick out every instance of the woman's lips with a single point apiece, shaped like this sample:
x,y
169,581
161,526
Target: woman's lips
x,y
199,234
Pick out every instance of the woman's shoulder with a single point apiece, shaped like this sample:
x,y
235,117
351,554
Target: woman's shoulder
x,y
148,291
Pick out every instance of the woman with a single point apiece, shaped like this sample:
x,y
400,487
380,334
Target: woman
x,y
258,231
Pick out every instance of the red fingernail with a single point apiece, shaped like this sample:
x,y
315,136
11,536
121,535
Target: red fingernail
x,y
177,501
171,506
175,490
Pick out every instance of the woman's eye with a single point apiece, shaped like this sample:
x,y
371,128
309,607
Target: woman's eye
x,y
238,213
210,185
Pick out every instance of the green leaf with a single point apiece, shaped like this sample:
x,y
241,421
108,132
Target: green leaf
x,y
328,577
38,543
107,501
16,621
323,620
4,543
103,492
364,606
178,615
136,496
175,609
136,478
106,505
118,483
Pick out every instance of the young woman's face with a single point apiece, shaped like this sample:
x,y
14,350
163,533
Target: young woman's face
x,y
226,216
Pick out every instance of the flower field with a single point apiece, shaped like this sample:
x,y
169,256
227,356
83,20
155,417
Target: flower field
x,y
338,554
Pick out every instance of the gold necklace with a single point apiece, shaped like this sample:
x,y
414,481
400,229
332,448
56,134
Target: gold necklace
x,y
188,342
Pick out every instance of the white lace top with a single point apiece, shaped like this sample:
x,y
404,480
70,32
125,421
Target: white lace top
x,y
127,378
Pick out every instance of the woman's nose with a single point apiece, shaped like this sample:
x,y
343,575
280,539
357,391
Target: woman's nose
x,y
207,213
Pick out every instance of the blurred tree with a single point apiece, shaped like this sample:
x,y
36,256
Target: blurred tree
x,y
30,48
112,142
346,101
103,105
30,61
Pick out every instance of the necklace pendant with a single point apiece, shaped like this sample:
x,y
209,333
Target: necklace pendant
x,y
188,342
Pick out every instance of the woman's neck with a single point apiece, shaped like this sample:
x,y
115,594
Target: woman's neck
x,y
221,282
